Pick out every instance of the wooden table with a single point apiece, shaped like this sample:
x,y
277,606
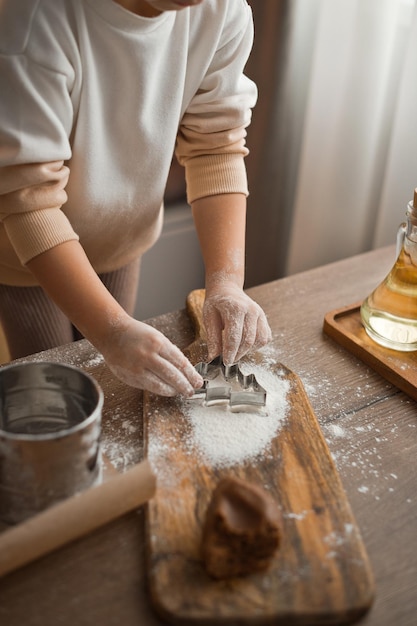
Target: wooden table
x,y
370,427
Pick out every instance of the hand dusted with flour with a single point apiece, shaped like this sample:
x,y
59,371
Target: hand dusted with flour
x,y
143,357
235,324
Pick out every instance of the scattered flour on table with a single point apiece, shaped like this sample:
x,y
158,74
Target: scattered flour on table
x,y
336,430
358,450
224,437
121,439
94,361
360,453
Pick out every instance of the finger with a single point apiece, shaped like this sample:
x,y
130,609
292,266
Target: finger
x,y
174,356
165,381
214,327
145,380
151,382
232,336
175,369
249,335
264,333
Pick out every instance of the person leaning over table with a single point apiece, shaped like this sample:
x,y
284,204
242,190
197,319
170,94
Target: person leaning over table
x,y
96,95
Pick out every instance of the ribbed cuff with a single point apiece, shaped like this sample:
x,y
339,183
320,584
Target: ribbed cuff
x,y
35,232
211,175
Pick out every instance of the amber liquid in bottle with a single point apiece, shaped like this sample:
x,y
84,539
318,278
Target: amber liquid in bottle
x,y
389,313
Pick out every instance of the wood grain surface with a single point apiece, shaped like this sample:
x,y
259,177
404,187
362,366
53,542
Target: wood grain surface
x,y
370,428
321,573
399,368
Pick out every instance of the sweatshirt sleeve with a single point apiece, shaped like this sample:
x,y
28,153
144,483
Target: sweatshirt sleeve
x,y
35,122
211,142
30,199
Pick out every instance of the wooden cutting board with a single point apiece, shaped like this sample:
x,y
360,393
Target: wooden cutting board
x,y
321,572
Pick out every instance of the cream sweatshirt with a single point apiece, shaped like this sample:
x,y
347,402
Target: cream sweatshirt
x,y
94,101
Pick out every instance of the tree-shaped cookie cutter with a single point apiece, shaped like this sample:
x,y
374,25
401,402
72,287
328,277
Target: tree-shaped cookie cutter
x,y
249,393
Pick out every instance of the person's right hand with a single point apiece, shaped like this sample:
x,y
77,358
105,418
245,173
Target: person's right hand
x,y
143,357
138,354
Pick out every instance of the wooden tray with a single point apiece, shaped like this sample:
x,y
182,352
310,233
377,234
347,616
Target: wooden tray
x,y
321,574
399,368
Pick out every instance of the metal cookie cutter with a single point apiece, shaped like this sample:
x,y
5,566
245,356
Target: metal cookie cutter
x,y
249,393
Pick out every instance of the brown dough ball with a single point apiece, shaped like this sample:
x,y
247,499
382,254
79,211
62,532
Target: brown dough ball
x,y
242,530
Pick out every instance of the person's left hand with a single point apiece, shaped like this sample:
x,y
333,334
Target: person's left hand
x,y
234,323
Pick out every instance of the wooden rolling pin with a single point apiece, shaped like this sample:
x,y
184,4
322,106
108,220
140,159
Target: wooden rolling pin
x,y
75,517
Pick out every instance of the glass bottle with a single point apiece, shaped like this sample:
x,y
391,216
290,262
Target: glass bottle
x,y
389,313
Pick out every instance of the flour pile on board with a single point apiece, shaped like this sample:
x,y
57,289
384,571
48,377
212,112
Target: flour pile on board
x,y
226,438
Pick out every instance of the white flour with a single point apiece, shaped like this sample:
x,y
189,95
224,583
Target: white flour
x,y
121,441
225,438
